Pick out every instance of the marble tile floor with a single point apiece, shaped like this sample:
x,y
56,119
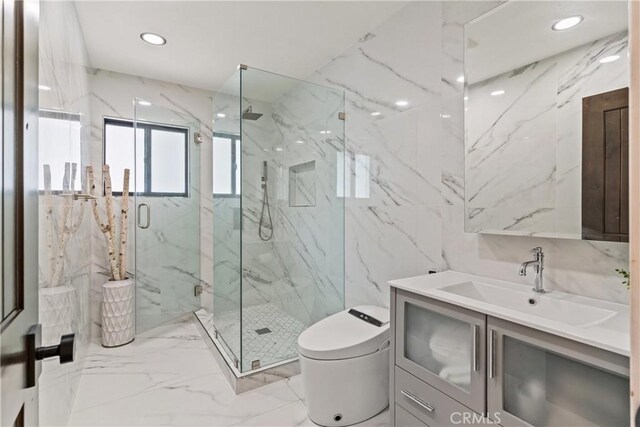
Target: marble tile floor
x,y
168,377
272,347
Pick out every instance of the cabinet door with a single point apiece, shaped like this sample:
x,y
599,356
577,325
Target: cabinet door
x,y
538,379
444,346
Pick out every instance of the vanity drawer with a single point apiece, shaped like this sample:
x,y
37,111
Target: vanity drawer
x,y
429,405
405,419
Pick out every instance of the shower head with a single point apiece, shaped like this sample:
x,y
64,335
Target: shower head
x,y
248,114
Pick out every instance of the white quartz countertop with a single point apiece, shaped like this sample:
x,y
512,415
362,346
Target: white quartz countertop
x,y
612,333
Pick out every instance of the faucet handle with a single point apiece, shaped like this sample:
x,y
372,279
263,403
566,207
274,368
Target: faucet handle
x,y
537,250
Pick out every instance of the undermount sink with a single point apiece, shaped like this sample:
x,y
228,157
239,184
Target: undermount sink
x,y
543,305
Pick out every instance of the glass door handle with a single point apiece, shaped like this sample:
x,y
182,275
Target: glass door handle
x,y
476,353
148,221
492,353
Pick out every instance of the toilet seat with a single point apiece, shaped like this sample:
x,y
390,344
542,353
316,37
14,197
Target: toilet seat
x,y
344,336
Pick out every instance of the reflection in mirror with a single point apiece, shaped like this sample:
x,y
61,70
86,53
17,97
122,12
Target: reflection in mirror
x,y
546,120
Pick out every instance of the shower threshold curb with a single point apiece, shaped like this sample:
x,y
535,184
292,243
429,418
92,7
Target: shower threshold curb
x,y
250,380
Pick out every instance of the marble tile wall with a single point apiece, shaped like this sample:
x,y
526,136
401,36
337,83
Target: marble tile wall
x,y
524,148
64,305
580,267
170,256
411,218
392,198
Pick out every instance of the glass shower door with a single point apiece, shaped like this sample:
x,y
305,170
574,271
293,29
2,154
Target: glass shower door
x,y
167,214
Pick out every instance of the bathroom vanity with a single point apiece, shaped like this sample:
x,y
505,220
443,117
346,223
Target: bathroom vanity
x,y
471,350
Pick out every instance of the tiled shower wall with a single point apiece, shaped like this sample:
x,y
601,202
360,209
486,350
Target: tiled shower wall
x,y
410,219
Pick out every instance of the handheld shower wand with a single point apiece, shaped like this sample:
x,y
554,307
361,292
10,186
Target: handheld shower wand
x,y
265,236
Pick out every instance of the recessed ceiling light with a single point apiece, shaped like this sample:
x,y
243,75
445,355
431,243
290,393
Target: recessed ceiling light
x,y
445,116
376,113
566,23
466,98
221,115
300,141
402,103
324,132
43,87
278,148
610,58
460,79
145,103
153,39
497,93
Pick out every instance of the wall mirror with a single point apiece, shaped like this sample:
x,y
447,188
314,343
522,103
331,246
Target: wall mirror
x,y
546,120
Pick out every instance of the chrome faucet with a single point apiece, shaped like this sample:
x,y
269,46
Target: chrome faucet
x,y
538,266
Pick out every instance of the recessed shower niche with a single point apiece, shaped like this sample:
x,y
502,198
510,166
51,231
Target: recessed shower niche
x,y
302,184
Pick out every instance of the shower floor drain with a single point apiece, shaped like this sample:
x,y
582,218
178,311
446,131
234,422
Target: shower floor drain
x,y
263,331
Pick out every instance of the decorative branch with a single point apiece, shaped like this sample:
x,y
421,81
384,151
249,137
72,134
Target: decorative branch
x,y
117,260
105,228
124,225
67,225
48,214
75,225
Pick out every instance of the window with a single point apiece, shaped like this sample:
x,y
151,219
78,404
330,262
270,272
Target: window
x,y
160,153
58,144
226,165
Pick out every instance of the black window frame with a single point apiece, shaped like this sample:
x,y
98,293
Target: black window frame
x,y
148,128
235,189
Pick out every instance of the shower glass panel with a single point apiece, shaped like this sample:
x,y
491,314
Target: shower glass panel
x,y
226,217
279,242
167,214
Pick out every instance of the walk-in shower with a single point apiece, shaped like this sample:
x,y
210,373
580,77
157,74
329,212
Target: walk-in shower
x,y
278,228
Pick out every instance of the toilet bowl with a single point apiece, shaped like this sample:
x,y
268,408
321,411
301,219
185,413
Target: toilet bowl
x,y
345,366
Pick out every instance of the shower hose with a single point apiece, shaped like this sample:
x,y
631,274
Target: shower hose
x,y
265,236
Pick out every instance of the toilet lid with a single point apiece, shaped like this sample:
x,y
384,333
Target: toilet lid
x,y
344,336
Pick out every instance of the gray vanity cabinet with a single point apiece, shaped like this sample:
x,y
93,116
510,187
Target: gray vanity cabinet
x,y
539,379
442,345
449,363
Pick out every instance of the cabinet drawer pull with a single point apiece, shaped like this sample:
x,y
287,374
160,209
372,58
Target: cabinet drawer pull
x,y
418,401
476,354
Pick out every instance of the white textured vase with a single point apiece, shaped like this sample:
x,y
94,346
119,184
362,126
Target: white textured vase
x,y
57,312
118,316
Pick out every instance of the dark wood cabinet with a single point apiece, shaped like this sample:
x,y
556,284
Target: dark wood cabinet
x,y
605,166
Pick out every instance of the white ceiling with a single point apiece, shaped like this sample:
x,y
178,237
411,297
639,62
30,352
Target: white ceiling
x,y
206,40
519,32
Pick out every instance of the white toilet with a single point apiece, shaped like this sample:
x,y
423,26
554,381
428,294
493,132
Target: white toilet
x,y
345,366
